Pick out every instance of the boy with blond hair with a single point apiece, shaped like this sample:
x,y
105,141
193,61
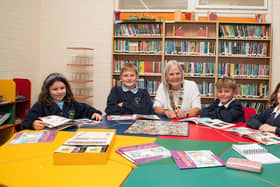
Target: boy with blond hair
x,y
128,99
225,107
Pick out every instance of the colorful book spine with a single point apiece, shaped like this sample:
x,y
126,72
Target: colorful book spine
x,y
243,70
190,47
206,88
244,31
128,46
126,29
243,48
142,66
252,90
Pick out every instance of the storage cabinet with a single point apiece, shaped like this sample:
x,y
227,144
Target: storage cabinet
x,y
207,50
16,94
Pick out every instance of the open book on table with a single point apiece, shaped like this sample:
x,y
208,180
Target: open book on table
x,y
213,123
266,138
59,122
143,153
196,159
255,152
132,117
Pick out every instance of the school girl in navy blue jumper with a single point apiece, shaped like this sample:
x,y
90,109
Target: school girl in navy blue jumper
x,y
269,119
128,99
56,98
226,107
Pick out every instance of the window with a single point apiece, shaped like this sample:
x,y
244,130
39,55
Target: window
x,y
153,4
232,4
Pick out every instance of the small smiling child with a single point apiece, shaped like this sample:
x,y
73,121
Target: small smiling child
x,y
128,99
56,98
226,107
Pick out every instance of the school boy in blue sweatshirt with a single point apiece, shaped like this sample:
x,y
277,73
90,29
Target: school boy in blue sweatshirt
x,y
269,119
128,99
226,107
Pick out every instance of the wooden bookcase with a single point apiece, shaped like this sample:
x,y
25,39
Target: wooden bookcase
x,y
17,94
206,50
81,67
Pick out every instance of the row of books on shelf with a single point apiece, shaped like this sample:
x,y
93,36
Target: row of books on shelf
x,y
198,68
225,30
243,48
150,85
138,29
201,48
256,105
252,90
242,90
143,66
146,46
208,88
243,70
201,68
244,31
190,47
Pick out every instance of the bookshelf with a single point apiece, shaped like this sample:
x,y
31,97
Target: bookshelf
x,y
142,44
206,50
16,94
81,68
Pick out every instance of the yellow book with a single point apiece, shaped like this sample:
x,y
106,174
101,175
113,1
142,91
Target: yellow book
x,y
231,70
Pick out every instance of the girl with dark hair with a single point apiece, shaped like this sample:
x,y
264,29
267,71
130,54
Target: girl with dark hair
x,y
269,119
56,98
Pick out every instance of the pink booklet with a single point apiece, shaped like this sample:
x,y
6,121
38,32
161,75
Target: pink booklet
x,y
143,153
244,164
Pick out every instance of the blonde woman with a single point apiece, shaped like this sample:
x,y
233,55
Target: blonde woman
x,y
176,97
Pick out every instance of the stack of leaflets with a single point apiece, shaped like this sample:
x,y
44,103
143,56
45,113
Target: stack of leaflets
x,y
255,152
132,117
143,153
266,138
152,127
4,117
213,123
86,147
34,137
196,159
87,142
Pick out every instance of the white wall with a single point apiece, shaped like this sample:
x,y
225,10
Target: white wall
x,y
34,35
19,40
72,23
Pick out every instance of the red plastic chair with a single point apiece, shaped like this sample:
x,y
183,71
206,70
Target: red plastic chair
x,y
249,112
